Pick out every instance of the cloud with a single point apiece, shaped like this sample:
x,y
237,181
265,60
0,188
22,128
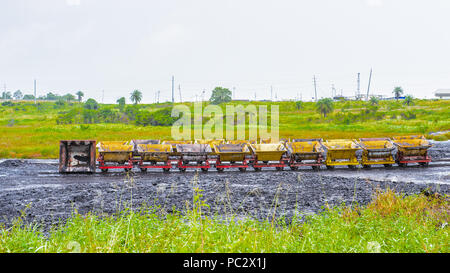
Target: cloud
x,y
374,3
170,34
73,2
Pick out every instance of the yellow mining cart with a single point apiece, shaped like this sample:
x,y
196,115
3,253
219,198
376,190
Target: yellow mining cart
x,y
153,154
135,143
341,152
248,142
265,141
118,152
376,151
174,145
305,152
196,153
211,143
412,149
231,153
266,153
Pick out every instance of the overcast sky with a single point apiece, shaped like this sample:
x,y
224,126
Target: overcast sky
x,y
119,46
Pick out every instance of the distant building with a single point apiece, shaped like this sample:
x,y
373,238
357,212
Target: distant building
x,y
442,93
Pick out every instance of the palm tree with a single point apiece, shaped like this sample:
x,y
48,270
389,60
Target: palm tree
x,y
136,96
80,95
408,100
325,106
373,100
398,91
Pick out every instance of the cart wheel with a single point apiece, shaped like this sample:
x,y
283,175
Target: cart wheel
x,y
220,170
315,168
388,165
166,170
257,169
279,168
182,169
424,164
242,169
402,165
265,162
351,166
104,170
232,162
329,167
294,168
204,170
144,170
366,166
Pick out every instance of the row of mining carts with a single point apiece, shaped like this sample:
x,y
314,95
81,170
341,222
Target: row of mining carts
x,y
80,155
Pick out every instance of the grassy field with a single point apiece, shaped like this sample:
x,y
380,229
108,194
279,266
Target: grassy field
x,y
390,223
29,131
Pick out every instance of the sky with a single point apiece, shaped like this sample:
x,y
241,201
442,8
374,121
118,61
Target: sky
x,y
108,48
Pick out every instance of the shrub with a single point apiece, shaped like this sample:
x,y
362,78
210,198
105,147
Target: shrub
x,y
91,104
408,115
158,118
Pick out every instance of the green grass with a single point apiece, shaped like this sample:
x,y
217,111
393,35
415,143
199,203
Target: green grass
x,y
390,223
27,131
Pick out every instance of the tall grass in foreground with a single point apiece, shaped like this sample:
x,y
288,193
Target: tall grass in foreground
x,y
390,223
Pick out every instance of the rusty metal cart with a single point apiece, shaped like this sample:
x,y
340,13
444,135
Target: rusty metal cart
x,y
341,152
194,153
231,156
77,156
115,155
376,151
264,155
412,149
154,156
305,152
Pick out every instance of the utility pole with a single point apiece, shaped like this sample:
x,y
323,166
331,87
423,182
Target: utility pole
x,y
173,98
368,88
271,93
35,95
358,90
333,91
158,95
315,88
179,90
